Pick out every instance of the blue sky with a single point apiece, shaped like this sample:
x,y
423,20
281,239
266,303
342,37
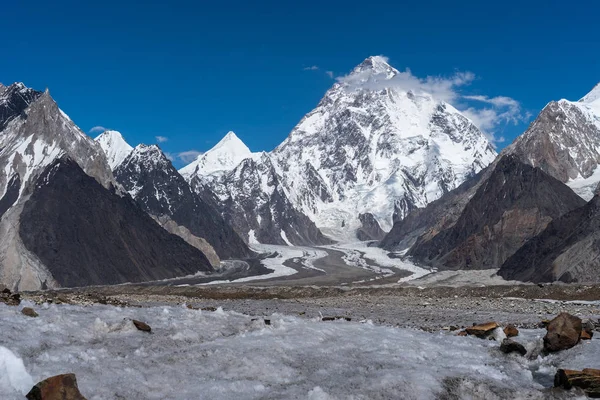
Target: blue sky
x,y
191,71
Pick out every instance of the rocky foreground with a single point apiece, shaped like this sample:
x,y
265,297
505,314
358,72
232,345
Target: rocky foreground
x,y
541,344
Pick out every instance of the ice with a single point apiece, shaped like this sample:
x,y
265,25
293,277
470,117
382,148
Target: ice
x,y
357,254
193,354
13,376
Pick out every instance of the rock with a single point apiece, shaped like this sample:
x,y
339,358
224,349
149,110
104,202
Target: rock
x,y
211,309
510,346
142,326
60,387
587,330
30,312
462,333
587,379
267,322
483,330
336,318
563,333
585,335
511,331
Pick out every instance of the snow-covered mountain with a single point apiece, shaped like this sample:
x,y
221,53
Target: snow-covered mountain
x,y
368,148
150,178
223,157
371,147
115,147
564,141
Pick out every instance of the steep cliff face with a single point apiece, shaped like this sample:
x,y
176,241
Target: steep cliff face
x,y
150,178
85,234
488,219
567,250
34,132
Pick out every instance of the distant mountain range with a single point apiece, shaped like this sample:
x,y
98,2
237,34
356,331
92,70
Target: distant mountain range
x,y
370,158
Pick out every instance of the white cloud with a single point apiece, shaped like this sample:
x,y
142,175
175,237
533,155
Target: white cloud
x,y
311,68
439,87
188,156
501,110
329,74
490,114
98,129
161,139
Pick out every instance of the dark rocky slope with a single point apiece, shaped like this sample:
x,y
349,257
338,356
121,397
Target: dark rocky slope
x,y
510,203
88,235
567,250
160,190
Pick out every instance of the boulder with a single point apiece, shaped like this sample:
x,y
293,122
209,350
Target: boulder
x,y
588,379
511,331
60,387
482,330
510,346
30,312
142,326
563,333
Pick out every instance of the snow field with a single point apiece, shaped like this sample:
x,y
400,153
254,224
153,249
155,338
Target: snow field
x,y
193,354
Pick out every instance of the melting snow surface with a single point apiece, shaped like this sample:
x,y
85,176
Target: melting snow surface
x,y
193,354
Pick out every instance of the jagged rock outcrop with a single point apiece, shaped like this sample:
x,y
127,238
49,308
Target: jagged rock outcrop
x,y
511,203
150,178
567,250
85,234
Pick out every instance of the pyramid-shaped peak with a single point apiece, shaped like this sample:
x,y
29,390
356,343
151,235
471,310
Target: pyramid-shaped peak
x,y
115,147
224,156
230,140
375,65
592,96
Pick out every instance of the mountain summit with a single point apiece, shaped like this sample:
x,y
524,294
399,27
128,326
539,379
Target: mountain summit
x,y
115,147
224,156
371,146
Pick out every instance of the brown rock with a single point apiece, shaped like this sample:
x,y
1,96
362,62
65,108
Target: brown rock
x,y
142,326
587,330
30,312
209,308
563,333
588,380
462,333
511,331
482,330
60,387
510,346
